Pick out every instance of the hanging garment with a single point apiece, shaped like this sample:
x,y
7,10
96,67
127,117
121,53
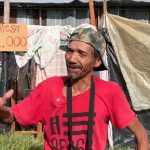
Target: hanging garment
x,y
57,67
22,80
43,41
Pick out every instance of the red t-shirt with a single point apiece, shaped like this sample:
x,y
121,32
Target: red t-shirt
x,y
47,104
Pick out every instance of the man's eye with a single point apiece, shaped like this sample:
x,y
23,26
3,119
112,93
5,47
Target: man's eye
x,y
83,54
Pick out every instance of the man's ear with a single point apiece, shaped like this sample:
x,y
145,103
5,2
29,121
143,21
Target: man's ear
x,y
98,62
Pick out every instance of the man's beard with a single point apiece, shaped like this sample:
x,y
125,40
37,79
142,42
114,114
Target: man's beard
x,y
74,76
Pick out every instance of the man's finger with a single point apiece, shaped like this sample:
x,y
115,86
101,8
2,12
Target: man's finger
x,y
6,96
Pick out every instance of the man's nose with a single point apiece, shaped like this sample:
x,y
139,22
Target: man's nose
x,y
73,57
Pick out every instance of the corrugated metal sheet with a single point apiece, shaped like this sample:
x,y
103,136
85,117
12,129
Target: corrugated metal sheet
x,y
46,1
72,15
75,17
67,1
63,17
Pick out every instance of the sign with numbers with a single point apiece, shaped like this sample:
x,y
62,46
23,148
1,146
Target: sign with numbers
x,y
13,37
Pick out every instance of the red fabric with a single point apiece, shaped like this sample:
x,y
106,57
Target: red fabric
x,y
47,105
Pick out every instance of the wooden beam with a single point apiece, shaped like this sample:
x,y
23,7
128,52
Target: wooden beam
x,y
92,13
6,11
105,6
4,75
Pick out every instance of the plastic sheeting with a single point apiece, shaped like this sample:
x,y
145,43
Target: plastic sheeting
x,y
132,48
137,34
123,138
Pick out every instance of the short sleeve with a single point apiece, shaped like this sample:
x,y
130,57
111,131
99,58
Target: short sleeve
x,y
30,110
121,114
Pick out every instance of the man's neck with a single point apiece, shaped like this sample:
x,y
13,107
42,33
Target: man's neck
x,y
81,85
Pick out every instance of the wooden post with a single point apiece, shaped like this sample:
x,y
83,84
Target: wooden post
x,y
92,13
39,124
40,16
105,6
4,75
4,64
104,13
6,11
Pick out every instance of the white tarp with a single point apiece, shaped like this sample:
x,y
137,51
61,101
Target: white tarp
x,y
131,43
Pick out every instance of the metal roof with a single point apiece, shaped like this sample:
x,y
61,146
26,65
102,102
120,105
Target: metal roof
x,y
68,1
48,1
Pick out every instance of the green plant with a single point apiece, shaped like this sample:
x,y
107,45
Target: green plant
x,y
11,141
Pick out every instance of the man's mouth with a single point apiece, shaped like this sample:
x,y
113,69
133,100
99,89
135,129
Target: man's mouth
x,y
73,67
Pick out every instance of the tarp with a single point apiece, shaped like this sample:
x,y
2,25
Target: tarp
x,y
131,43
123,138
68,1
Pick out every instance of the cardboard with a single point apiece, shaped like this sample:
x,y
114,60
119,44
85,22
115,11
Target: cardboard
x,y
13,37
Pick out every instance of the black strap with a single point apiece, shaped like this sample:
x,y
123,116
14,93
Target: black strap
x,y
90,119
69,110
91,116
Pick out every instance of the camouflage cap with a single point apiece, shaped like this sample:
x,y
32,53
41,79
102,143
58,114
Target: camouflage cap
x,y
91,36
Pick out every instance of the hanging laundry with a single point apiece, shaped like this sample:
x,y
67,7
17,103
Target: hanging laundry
x,y
43,41
57,67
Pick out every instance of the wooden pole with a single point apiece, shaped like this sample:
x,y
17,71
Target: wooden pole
x,y
92,13
39,124
4,64
6,11
105,6
40,16
4,75
104,13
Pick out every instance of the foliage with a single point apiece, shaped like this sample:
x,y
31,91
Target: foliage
x,y
11,141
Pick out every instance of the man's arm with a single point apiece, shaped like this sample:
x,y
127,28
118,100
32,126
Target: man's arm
x,y
6,114
140,135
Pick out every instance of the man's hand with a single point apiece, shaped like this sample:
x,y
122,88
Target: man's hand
x,y
6,114
6,96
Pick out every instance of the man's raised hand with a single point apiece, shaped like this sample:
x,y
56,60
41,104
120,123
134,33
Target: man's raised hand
x,y
6,114
6,96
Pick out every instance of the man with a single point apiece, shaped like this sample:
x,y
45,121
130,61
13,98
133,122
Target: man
x,y
75,110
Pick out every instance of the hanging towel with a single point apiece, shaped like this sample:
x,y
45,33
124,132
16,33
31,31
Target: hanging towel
x,y
43,41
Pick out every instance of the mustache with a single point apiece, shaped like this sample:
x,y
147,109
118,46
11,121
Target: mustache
x,y
73,65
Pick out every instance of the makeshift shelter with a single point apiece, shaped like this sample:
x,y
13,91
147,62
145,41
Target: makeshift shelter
x,y
132,49
128,61
128,49
123,64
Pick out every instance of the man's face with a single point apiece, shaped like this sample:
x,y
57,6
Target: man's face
x,y
79,59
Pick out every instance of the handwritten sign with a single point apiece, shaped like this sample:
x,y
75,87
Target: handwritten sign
x,y
13,37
